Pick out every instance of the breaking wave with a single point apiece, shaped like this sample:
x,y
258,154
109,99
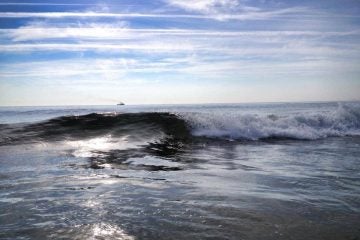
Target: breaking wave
x,y
344,121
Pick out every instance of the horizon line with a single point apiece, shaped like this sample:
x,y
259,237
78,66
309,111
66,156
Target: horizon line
x,y
207,103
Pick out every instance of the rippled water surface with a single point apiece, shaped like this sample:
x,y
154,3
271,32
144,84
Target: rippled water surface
x,y
269,171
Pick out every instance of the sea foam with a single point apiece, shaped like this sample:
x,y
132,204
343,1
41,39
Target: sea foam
x,y
343,121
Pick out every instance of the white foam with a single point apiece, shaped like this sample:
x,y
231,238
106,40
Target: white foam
x,y
345,120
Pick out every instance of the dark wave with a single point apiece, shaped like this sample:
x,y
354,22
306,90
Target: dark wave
x,y
161,135
137,125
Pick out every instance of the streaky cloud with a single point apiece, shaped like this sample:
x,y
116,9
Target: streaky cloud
x,y
109,32
251,15
173,47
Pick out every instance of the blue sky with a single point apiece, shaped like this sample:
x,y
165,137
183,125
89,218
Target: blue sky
x,y
178,51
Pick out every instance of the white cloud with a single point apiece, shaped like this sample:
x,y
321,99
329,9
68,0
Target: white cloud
x,y
108,69
206,6
120,31
42,30
117,37
247,14
147,47
116,68
291,49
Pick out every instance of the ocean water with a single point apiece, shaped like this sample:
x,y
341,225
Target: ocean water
x,y
217,171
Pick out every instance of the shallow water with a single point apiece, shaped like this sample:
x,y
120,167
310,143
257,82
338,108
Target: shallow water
x,y
165,176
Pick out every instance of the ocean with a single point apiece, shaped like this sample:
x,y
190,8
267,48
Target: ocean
x,y
213,171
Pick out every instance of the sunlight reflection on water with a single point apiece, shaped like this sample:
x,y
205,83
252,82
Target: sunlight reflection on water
x,y
89,147
107,231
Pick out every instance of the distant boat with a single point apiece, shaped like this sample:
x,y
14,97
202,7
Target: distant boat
x,y
120,103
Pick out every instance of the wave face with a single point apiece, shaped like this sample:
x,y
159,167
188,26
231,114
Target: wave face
x,y
136,125
185,126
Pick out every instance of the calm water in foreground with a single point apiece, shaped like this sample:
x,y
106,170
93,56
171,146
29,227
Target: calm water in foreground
x,y
241,171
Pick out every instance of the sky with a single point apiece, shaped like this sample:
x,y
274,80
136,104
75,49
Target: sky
x,y
57,52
